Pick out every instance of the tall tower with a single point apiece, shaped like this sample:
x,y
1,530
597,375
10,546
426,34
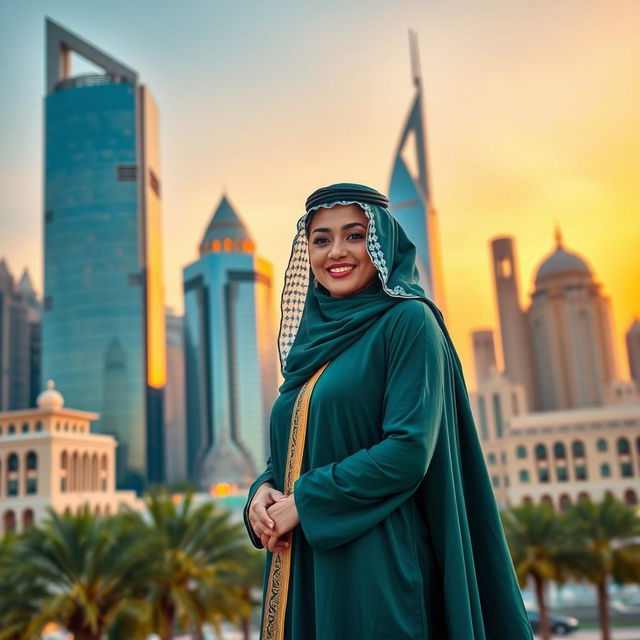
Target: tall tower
x,y
230,354
410,191
103,322
484,354
514,332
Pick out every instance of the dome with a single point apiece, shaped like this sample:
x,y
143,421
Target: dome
x,y
562,262
50,398
226,231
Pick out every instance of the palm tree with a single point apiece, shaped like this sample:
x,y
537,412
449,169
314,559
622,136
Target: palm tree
x,y
250,579
201,551
605,549
84,573
537,541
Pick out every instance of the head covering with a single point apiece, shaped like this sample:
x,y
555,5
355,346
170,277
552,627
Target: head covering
x,y
315,327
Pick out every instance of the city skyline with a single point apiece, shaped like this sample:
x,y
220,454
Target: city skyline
x,y
529,112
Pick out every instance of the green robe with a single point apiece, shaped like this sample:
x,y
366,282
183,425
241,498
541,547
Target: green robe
x,y
399,534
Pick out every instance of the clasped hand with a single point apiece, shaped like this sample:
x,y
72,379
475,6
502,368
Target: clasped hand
x,y
272,516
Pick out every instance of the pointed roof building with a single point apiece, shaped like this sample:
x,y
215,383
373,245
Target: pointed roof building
x,y
410,191
226,231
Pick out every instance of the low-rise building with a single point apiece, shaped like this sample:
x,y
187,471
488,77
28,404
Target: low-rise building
x,y
50,459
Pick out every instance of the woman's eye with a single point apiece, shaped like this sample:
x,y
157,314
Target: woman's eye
x,y
355,236
320,240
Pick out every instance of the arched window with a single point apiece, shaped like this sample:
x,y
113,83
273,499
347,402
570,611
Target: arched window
x,y
605,470
9,521
577,448
623,446
521,451
32,461
25,428
630,496
27,519
559,450
541,452
103,463
38,426
12,430
565,502
524,475
94,472
12,463
546,499
583,495
602,444
638,445
527,500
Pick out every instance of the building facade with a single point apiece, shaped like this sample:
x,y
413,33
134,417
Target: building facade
x,y
230,354
632,340
50,459
103,322
556,456
410,196
20,341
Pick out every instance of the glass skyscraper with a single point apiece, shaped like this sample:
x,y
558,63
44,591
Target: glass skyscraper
x,y
103,321
230,354
410,192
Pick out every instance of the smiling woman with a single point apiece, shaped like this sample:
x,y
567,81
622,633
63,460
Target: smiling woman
x,y
338,250
376,508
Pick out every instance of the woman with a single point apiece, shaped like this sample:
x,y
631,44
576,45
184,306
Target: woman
x,y
392,530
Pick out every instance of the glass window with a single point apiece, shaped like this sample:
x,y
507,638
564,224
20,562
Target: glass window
x,y
13,462
12,429
605,470
541,452
32,460
495,480
559,450
602,444
626,471
63,483
524,475
623,446
12,487
492,458
521,451
38,426
103,484
543,475
32,485
563,476
578,449
497,411
581,472
25,428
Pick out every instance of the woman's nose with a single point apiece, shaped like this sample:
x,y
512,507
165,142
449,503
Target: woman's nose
x,y
338,249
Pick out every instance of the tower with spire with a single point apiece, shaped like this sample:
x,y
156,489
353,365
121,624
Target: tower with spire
x,y
230,356
410,195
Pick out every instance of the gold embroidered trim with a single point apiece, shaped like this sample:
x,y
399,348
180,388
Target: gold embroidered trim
x,y
275,605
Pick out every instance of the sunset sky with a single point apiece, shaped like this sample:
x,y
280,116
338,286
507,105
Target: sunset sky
x,y
533,120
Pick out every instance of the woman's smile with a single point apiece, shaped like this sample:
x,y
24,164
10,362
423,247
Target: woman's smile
x,y
341,270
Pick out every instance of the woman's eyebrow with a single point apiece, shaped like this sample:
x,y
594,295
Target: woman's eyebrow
x,y
346,226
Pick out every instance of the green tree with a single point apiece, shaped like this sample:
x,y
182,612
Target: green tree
x,y
82,572
202,553
606,538
537,541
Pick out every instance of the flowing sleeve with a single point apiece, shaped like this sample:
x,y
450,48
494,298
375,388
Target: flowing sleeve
x,y
340,501
265,476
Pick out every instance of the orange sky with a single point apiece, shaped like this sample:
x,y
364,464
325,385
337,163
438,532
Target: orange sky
x,y
533,113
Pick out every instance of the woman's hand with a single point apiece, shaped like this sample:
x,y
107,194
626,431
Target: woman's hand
x,y
285,515
261,522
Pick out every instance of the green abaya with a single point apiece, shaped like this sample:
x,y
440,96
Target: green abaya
x,y
399,534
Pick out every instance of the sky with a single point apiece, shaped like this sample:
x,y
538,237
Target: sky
x,y
532,112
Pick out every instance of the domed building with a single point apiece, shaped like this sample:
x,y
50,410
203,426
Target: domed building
x,y
571,333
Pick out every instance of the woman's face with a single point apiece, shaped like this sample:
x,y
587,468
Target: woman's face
x,y
338,251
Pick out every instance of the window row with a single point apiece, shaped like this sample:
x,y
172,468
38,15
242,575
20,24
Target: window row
x,y
559,450
630,497
580,472
26,427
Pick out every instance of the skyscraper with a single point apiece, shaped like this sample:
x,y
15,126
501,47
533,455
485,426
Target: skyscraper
x,y
410,191
103,325
20,332
230,354
632,340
